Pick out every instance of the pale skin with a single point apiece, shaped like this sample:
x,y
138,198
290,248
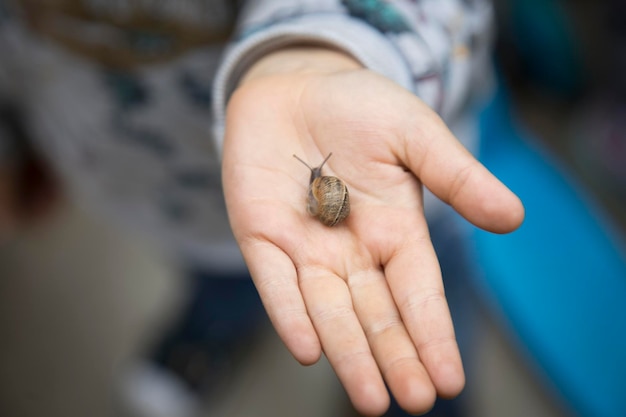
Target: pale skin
x,y
367,293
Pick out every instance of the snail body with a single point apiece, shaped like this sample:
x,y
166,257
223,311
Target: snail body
x,y
328,198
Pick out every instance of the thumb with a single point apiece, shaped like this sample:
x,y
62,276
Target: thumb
x,y
450,171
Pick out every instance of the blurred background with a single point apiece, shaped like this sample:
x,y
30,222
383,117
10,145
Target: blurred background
x,y
564,61
80,299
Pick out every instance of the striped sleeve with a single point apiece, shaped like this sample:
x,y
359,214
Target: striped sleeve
x,y
438,49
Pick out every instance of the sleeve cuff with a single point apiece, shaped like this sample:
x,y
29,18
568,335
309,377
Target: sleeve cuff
x,y
364,43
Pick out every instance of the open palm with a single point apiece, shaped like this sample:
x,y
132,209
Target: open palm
x,y
367,292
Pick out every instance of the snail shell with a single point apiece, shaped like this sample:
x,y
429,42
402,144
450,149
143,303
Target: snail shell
x,y
328,197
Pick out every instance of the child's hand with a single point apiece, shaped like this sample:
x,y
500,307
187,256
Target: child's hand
x,y
367,292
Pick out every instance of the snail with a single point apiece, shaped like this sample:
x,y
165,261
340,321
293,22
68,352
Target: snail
x,y
328,198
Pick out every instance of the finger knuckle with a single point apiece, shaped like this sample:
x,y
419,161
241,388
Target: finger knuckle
x,y
330,314
417,305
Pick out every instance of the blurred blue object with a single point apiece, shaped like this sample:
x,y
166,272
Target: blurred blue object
x,y
559,282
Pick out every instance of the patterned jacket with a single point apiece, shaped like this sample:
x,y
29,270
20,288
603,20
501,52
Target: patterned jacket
x,y
127,97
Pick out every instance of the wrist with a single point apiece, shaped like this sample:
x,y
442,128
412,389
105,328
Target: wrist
x,y
301,60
